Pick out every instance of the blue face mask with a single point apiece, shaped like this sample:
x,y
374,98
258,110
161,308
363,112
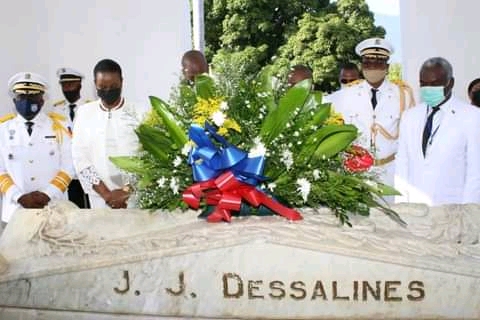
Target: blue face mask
x,y
432,95
26,108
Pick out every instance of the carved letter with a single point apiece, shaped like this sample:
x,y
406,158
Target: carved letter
x,y
335,292
416,286
234,276
181,286
366,287
389,288
319,291
127,284
277,285
252,285
355,290
297,286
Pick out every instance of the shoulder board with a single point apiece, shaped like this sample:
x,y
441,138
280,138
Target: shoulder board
x,y
56,116
7,117
59,102
355,82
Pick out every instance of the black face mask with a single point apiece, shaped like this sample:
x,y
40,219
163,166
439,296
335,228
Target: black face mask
x,y
476,98
72,96
26,108
109,96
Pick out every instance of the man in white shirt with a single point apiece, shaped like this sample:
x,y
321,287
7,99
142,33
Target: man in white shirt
x,y
375,106
105,128
439,152
35,149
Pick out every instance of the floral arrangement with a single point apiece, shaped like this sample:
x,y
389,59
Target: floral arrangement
x,y
235,145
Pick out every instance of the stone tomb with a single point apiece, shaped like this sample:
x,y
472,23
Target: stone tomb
x,y
65,263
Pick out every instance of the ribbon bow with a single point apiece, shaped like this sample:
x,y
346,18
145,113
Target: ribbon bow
x,y
226,177
208,160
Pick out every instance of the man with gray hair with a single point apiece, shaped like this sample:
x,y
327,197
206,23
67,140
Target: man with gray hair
x,y
438,154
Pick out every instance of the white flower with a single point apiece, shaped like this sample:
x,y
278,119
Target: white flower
x,y
316,174
186,148
258,148
287,158
304,188
174,185
218,118
161,182
296,134
271,186
177,161
223,106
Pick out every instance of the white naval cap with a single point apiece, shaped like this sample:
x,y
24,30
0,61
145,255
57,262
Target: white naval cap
x,y
69,74
374,48
27,83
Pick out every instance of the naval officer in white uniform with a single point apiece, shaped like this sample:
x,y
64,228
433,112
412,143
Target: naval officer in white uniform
x,y
70,81
35,149
375,106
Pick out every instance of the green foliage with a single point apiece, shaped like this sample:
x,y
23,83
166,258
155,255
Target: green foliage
x,y
302,140
395,72
317,33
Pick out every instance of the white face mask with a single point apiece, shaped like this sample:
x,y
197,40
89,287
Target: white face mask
x,y
374,75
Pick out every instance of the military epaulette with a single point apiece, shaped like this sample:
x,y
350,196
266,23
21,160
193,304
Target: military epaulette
x,y
57,116
58,127
7,117
354,82
58,103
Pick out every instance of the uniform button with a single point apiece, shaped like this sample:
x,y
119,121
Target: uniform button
x,y
32,179
30,161
30,144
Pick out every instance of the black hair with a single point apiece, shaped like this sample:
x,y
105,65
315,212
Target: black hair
x,y
349,66
301,67
473,83
107,65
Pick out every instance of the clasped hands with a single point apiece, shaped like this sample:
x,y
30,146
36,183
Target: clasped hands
x,y
116,199
34,200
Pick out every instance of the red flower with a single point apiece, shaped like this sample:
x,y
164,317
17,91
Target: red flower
x,y
357,159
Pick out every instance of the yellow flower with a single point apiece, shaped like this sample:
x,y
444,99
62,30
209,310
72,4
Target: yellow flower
x,y
152,119
204,109
335,118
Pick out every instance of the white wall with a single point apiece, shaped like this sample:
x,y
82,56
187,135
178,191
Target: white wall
x,y
146,37
445,28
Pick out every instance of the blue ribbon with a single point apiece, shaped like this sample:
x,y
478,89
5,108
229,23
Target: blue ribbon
x,y
213,155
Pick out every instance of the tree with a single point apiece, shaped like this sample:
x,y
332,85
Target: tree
x,y
327,40
316,33
234,25
395,72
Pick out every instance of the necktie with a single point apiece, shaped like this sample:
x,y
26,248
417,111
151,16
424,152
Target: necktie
x,y
29,125
72,111
427,130
374,98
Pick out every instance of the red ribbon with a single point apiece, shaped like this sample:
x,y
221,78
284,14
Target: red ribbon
x,y
226,193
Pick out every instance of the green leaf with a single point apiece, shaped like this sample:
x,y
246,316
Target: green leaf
x,y
129,164
175,130
386,190
204,86
154,141
314,101
277,118
334,144
313,142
